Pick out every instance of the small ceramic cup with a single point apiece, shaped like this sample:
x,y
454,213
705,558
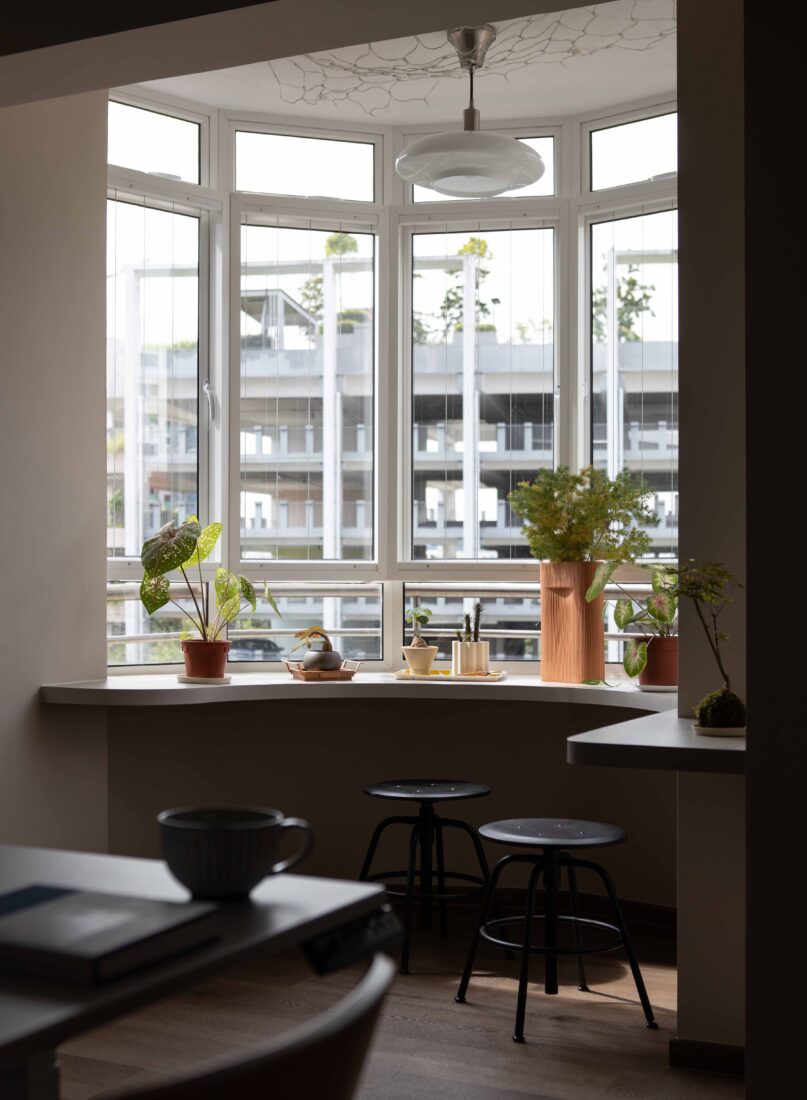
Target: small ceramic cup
x,y
223,852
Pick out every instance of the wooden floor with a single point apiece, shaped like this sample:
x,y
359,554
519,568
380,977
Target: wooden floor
x,y
579,1045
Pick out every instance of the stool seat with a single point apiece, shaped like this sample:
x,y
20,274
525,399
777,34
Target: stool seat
x,y
552,832
426,790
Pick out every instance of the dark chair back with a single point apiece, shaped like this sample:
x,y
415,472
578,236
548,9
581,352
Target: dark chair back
x,y
320,1060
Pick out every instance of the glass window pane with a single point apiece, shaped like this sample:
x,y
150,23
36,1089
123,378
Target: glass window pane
x,y
350,613
634,356
634,152
545,146
152,372
307,377
152,142
482,386
511,617
281,164
136,638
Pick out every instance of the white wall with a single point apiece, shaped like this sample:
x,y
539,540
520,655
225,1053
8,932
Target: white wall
x,y
52,458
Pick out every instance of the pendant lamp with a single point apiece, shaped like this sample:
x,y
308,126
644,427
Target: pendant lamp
x,y
470,163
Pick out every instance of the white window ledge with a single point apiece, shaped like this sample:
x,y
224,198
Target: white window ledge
x,y
163,689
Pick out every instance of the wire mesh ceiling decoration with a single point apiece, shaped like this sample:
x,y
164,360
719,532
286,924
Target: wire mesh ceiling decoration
x,y
376,76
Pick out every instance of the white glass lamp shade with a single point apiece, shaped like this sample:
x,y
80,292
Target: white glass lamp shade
x,y
469,163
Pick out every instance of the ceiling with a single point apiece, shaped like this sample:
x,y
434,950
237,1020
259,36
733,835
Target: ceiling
x,y
541,66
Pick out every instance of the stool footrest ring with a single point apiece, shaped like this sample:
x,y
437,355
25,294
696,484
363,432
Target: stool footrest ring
x,y
585,922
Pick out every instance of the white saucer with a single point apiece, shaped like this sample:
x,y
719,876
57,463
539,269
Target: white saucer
x,y
657,687
203,679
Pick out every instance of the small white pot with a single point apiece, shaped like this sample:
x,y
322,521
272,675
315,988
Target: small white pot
x,y
420,658
718,731
470,658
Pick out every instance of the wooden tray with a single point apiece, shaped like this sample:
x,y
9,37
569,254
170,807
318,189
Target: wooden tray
x,y
442,676
312,675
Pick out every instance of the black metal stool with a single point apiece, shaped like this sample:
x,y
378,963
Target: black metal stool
x,y
554,836
426,832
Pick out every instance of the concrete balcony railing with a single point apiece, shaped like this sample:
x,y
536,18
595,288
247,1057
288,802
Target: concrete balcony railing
x,y
298,444
442,442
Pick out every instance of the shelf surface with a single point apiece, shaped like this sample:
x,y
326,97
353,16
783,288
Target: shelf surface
x,y
163,690
662,741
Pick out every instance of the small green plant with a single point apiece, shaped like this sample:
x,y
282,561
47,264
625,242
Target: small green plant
x,y
183,547
721,708
418,617
311,634
711,587
584,517
469,632
656,617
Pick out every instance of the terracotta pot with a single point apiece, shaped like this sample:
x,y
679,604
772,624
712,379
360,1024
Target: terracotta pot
x,y
205,660
572,631
661,669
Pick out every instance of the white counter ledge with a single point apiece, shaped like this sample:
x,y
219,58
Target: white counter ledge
x,y
657,741
163,690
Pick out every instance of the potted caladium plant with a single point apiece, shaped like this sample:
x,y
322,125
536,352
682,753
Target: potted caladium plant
x,y
184,547
654,657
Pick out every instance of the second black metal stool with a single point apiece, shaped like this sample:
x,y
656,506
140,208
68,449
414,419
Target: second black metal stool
x,y
426,833
554,836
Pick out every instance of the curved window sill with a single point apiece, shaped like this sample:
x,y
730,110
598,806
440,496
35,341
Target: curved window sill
x,y
163,690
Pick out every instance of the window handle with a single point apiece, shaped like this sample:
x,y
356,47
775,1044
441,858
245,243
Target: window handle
x,y
207,390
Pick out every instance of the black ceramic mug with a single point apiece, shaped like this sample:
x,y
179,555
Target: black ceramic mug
x,y
223,852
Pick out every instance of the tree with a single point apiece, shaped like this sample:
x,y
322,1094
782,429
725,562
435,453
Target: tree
x,y
633,299
451,309
311,298
340,244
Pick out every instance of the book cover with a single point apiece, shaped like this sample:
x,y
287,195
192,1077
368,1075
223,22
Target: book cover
x,y
90,938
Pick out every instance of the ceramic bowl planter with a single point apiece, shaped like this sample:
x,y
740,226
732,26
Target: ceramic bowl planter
x,y
420,658
572,630
661,669
470,658
205,660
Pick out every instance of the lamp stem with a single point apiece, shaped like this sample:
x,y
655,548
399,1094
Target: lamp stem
x,y
470,115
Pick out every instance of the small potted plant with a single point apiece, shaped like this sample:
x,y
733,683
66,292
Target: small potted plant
x,y
572,522
183,547
324,659
710,587
469,656
654,658
419,654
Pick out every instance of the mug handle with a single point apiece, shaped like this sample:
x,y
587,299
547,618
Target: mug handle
x,y
299,856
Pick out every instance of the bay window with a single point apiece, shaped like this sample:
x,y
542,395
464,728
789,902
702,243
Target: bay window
x,y
352,375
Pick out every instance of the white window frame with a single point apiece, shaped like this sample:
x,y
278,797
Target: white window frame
x,y
394,218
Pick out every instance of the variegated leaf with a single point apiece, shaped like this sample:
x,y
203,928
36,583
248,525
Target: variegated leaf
x,y
663,580
169,548
205,545
227,586
661,606
155,592
247,590
604,572
635,657
624,613
270,599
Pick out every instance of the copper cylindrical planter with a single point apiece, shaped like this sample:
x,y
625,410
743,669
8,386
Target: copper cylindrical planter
x,y
661,669
572,631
